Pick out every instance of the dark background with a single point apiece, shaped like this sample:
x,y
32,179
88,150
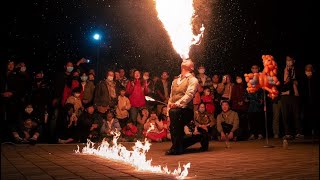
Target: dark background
x,y
45,34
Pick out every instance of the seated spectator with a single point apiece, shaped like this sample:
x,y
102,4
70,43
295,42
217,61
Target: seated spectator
x,y
130,132
69,131
85,123
153,128
109,126
76,101
227,123
142,118
203,120
165,120
28,127
122,108
192,136
26,131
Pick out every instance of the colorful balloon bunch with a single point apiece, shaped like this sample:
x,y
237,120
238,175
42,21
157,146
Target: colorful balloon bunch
x,y
267,79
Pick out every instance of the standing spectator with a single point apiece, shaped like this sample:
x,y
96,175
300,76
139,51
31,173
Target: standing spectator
x,y
105,93
40,98
76,102
23,82
147,80
204,80
217,90
123,79
88,88
197,98
226,80
136,89
290,101
122,108
207,99
239,104
162,90
310,96
255,114
9,98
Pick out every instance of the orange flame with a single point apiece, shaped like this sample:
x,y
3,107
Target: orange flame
x,y
176,16
136,158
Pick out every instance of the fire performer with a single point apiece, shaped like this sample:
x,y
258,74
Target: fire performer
x,y
180,108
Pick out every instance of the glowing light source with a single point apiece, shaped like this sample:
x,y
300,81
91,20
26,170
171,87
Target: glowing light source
x,y
96,36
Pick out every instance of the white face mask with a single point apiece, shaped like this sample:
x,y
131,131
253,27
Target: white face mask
x,y
84,78
201,71
110,78
29,110
145,77
308,73
239,81
77,95
23,69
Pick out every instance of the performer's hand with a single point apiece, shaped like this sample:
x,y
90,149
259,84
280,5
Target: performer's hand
x,y
223,136
173,106
230,135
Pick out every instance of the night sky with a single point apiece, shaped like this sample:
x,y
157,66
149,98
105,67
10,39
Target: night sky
x,y
237,33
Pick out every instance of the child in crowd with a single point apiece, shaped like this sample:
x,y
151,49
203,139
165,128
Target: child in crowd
x,y
207,99
110,126
76,101
142,118
129,132
122,108
165,120
26,131
153,128
69,132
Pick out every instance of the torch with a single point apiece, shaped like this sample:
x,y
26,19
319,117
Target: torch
x,y
148,98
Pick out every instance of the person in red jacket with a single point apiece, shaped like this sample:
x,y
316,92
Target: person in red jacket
x,y
137,89
207,99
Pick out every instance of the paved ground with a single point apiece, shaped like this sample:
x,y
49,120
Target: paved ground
x,y
244,160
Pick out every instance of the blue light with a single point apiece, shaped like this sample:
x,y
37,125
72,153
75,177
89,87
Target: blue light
x,y
96,37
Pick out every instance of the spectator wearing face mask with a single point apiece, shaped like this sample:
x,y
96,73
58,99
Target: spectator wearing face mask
x,y
106,93
204,80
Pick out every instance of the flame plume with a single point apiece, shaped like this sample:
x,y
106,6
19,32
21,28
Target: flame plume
x,y
176,17
136,158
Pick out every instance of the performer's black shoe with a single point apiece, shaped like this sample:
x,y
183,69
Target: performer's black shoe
x,y
203,149
173,152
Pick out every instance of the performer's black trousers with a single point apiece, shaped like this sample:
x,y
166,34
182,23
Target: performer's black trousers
x,y
179,117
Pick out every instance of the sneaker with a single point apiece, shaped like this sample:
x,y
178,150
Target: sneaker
x,y
252,137
260,137
299,136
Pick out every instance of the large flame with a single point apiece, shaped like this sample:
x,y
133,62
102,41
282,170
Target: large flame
x,y
176,16
136,158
